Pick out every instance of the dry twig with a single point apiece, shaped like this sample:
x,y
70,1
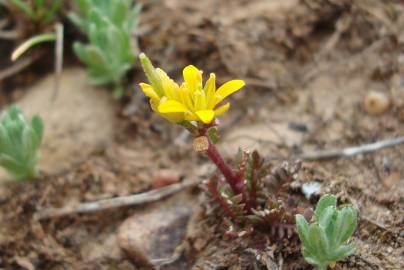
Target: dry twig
x,y
58,58
17,67
136,199
351,151
8,34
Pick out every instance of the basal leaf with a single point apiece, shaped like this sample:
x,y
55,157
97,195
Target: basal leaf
x,y
324,202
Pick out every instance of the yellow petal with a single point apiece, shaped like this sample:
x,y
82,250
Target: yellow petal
x,y
154,103
206,116
172,106
229,88
189,116
193,77
200,101
149,91
185,96
210,88
222,109
170,88
173,117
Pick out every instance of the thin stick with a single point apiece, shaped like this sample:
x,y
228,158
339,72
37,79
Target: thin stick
x,y
136,199
8,34
16,67
351,151
58,58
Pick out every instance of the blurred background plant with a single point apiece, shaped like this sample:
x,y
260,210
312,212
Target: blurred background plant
x,y
31,17
108,26
19,143
324,242
26,24
40,12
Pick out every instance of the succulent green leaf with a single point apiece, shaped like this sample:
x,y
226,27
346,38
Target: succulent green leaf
x,y
309,257
89,54
324,241
37,125
19,142
108,26
342,252
118,12
77,20
326,217
324,202
346,223
10,164
303,230
318,240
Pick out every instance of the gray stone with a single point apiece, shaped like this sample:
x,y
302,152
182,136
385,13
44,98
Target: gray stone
x,y
153,236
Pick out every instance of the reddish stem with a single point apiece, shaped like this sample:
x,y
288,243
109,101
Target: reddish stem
x,y
253,193
236,182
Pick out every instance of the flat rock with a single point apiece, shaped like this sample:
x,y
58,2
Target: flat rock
x,y
78,122
152,236
259,137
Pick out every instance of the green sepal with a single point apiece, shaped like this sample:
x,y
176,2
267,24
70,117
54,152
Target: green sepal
x,y
212,133
151,74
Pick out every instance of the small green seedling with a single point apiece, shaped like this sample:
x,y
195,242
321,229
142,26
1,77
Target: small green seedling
x,y
19,143
108,26
39,11
324,242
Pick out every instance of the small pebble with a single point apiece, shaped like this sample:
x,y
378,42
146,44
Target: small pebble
x,y
376,103
311,188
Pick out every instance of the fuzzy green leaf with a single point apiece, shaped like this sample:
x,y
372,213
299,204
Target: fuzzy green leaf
x,y
318,240
303,230
324,202
326,217
19,142
106,24
324,241
346,223
37,125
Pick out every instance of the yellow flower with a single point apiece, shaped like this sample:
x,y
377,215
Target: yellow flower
x,y
190,101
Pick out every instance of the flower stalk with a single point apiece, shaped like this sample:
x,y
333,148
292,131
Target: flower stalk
x,y
236,183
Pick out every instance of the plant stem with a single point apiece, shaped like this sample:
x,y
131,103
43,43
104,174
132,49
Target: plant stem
x,y
236,182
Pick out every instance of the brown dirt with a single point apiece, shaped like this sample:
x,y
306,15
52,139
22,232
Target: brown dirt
x,y
308,65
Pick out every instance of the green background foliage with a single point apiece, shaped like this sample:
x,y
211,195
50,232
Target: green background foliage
x,y
108,26
19,143
39,11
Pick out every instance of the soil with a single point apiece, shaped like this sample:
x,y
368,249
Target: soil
x,y
309,66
